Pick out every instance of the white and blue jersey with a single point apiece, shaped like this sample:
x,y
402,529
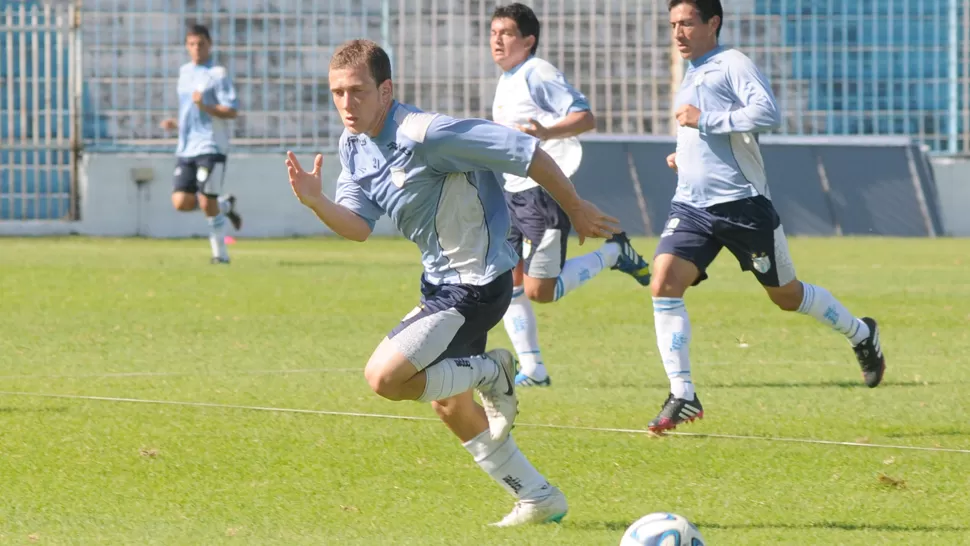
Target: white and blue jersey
x,y
721,161
436,178
535,89
200,133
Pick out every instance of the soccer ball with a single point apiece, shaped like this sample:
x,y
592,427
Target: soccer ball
x,y
662,529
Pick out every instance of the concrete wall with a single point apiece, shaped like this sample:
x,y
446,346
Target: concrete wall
x,y
822,187
952,175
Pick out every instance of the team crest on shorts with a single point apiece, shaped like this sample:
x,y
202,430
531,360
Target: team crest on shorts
x,y
526,248
761,263
202,174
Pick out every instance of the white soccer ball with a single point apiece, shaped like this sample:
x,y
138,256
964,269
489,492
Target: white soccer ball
x,y
662,529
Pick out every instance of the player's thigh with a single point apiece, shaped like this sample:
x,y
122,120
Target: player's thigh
x,y
452,321
210,174
545,228
752,231
686,248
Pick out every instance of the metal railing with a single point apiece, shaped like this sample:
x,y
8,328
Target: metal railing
x,y
38,112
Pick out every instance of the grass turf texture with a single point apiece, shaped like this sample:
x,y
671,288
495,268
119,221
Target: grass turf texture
x,y
73,311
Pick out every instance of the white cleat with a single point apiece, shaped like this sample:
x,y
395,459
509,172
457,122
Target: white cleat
x,y
498,399
549,509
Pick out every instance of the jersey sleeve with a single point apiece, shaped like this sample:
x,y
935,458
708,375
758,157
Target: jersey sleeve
x,y
551,91
759,111
462,145
225,92
351,196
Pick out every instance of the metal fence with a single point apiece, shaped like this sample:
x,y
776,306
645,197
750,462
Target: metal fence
x,y
883,67
863,67
38,111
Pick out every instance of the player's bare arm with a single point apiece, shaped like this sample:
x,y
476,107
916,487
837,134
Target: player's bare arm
x,y
308,188
574,124
588,220
214,110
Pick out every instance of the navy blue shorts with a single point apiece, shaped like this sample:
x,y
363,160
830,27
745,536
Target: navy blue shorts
x,y
750,228
539,233
203,174
452,321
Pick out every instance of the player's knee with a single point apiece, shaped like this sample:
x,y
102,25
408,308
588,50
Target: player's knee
x,y
665,285
184,202
383,383
786,303
541,293
787,298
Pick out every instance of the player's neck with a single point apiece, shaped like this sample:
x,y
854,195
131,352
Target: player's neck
x,y
379,124
703,54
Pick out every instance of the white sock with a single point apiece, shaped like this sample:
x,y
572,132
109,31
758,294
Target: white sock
x,y
673,340
224,205
506,464
578,270
520,324
454,376
217,235
822,305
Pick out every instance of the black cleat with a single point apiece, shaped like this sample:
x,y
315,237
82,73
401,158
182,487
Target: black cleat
x,y
676,411
630,261
216,261
870,357
232,215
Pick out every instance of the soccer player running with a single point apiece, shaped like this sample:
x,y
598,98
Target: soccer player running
x,y
436,177
534,97
722,200
207,101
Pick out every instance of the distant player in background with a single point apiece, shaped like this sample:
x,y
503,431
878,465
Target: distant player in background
x,y
437,178
207,101
722,200
534,97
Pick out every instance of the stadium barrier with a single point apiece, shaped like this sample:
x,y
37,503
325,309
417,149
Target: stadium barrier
x,y
822,186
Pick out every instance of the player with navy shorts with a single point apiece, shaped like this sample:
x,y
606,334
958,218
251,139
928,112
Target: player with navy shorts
x,y
436,178
207,101
534,97
722,201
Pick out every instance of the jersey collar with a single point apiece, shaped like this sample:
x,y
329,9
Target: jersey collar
x,y
518,66
703,58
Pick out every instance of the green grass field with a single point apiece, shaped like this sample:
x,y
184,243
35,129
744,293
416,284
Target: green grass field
x,y
290,324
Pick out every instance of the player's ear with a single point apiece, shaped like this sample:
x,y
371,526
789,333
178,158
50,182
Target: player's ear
x,y
387,90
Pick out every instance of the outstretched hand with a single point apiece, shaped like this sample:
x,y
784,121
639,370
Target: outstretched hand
x,y
307,186
589,221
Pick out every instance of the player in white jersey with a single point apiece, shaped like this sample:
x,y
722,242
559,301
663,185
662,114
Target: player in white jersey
x,y
534,97
436,178
207,101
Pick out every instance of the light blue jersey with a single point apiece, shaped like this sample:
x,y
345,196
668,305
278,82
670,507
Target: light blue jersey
x,y
720,161
200,133
436,177
536,90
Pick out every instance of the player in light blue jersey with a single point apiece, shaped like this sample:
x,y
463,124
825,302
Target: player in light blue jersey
x,y
722,201
437,178
207,101
534,97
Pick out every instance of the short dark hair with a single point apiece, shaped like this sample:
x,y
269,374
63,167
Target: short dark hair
x,y
200,31
524,18
363,52
707,9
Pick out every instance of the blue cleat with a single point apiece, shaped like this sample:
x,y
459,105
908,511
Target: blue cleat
x,y
630,261
522,380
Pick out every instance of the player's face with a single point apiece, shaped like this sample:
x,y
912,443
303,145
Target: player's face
x,y
692,36
361,102
509,48
198,48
